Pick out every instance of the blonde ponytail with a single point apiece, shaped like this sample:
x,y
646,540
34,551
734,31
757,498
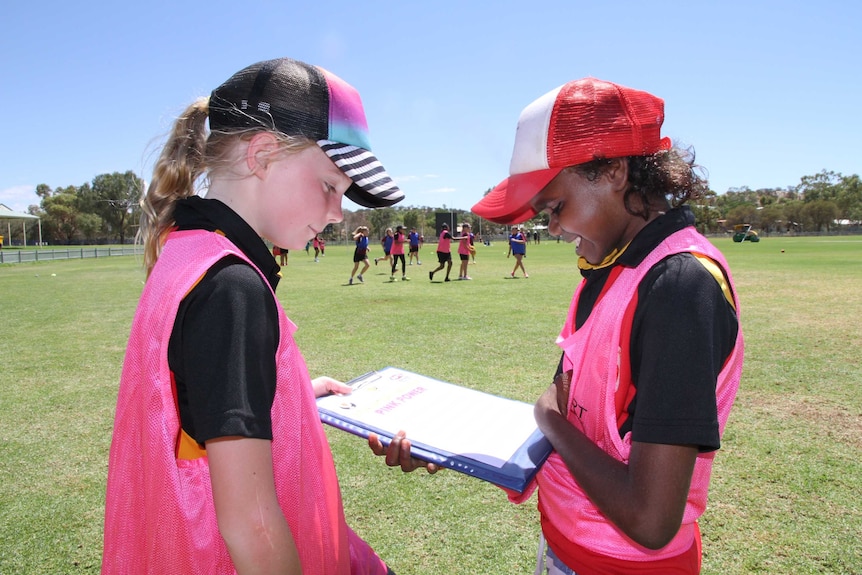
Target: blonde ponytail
x,y
180,164
191,153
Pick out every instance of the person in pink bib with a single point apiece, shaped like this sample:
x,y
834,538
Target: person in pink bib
x,y
464,247
444,254
651,349
219,463
397,253
652,346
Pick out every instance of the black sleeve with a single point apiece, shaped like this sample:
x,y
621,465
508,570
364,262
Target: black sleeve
x,y
683,331
222,353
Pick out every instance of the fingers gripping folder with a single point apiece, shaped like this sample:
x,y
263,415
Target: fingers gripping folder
x,y
483,435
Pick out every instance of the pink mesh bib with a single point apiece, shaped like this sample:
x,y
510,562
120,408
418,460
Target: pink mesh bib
x,y
592,353
159,512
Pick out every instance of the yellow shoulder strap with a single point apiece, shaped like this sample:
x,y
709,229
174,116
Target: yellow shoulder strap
x,y
714,269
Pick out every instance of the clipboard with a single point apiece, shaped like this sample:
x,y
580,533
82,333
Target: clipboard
x,y
486,436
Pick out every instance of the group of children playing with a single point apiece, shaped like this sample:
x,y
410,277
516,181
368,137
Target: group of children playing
x,y
393,248
219,463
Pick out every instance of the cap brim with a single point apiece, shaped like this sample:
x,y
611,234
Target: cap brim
x,y
509,202
372,187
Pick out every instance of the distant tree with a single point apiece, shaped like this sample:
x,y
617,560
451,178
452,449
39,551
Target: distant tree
x,y
411,219
109,205
61,222
820,186
795,216
89,225
736,197
771,217
44,191
87,200
768,196
789,194
849,198
706,213
115,197
822,214
743,214
380,220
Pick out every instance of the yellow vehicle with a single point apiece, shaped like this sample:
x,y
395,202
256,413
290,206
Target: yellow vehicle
x,y
744,233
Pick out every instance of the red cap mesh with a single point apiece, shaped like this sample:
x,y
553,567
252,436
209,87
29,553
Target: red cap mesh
x,y
590,119
595,119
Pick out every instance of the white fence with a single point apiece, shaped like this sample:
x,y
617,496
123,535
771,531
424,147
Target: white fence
x,y
17,256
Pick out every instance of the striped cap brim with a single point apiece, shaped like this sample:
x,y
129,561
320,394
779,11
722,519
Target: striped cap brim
x,y
372,187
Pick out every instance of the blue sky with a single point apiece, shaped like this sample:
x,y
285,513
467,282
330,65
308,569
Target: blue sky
x,y
765,92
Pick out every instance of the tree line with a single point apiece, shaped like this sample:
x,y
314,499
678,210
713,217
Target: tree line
x,y
823,202
107,210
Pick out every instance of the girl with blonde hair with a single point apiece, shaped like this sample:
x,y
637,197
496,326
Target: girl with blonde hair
x,y
219,463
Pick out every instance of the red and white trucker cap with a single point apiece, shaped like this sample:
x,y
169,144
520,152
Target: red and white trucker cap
x,y
581,121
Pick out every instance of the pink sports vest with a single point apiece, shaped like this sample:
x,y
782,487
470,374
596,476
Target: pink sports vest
x,y
159,513
593,353
444,244
397,245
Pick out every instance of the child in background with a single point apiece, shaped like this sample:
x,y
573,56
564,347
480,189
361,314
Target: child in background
x,y
318,247
386,244
360,253
518,247
413,237
464,251
444,253
281,254
397,253
219,463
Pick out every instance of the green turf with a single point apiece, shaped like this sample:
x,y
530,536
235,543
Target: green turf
x,y
785,495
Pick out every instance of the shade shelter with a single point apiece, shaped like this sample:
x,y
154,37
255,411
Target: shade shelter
x,y
8,216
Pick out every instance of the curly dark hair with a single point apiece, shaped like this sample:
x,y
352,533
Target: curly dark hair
x,y
670,176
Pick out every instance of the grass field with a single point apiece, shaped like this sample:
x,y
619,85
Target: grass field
x,y
786,493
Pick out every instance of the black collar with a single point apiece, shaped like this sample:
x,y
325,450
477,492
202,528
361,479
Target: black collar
x,y
196,213
644,242
654,233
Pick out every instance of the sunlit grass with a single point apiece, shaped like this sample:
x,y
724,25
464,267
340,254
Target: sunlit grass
x,y
785,495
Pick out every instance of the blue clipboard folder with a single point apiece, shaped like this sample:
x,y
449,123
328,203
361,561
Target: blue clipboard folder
x,y
487,436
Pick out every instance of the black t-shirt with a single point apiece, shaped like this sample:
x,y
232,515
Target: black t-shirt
x,y
225,336
683,330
